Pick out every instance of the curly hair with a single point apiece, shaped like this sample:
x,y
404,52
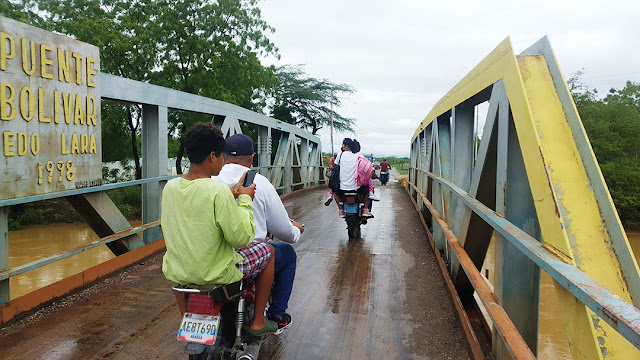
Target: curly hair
x,y
355,146
203,139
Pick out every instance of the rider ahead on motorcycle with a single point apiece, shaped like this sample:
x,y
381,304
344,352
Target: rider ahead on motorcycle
x,y
364,169
348,163
270,216
384,168
208,236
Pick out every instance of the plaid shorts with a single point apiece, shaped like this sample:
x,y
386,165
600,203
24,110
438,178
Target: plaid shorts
x,y
255,257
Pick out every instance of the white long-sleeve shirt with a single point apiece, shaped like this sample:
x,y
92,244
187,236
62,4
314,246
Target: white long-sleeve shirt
x,y
348,162
269,213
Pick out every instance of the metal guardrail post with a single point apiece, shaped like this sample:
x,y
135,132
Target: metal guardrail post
x,y
316,165
264,151
418,178
440,163
4,254
513,345
303,160
517,278
287,181
154,151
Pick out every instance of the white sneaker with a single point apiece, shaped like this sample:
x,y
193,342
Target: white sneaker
x,y
374,197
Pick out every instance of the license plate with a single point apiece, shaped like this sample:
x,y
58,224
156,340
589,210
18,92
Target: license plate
x,y
350,209
199,328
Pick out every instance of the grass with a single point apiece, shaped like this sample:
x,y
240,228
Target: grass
x,y
400,164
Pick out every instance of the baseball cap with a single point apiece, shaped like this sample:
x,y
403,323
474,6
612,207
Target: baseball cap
x,y
238,145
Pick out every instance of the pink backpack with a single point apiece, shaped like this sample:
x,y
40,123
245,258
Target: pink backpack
x,y
363,174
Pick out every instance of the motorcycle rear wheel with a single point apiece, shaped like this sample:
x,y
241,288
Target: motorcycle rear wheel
x,y
353,227
202,356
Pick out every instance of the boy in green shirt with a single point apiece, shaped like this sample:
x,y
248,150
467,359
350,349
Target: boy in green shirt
x,y
202,225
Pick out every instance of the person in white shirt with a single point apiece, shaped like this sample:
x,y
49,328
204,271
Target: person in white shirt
x,y
348,162
271,217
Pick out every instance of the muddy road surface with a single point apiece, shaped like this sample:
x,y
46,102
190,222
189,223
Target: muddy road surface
x,y
379,297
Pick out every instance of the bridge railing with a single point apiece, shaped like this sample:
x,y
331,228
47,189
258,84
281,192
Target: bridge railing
x,y
296,163
530,181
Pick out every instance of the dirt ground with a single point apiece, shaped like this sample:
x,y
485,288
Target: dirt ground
x,y
379,297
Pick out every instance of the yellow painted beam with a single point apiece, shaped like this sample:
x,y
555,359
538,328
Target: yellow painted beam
x,y
568,214
490,70
575,201
580,331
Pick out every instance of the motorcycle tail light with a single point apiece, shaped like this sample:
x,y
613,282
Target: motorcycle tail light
x,y
203,304
351,200
249,295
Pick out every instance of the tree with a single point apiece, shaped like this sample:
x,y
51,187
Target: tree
x,y
21,10
629,95
306,101
579,90
212,48
613,126
127,35
115,132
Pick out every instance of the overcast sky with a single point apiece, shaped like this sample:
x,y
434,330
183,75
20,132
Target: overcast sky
x,y
402,56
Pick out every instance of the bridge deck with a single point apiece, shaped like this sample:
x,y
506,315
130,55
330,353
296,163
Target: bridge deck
x,y
378,298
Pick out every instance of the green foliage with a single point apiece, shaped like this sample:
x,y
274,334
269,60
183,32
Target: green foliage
x,y
306,101
613,127
20,10
212,48
127,35
114,175
581,93
42,213
115,132
128,200
400,164
14,224
174,146
125,31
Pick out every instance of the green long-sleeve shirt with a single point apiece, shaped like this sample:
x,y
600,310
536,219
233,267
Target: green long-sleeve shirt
x,y
202,225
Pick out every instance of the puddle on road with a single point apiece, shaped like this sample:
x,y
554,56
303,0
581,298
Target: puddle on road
x,y
64,350
350,281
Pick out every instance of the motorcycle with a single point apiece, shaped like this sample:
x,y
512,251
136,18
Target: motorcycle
x,y
384,177
213,322
352,206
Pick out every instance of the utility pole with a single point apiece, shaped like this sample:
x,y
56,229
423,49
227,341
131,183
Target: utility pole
x,y
332,123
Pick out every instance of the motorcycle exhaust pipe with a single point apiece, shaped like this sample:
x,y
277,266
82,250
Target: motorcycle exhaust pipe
x,y
250,352
240,313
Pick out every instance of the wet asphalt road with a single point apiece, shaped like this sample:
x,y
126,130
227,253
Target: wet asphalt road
x,y
380,297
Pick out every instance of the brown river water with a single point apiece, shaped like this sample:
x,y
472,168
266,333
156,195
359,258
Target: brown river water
x,y
36,242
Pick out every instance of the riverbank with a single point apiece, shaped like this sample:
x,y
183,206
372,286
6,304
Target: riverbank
x,y
58,211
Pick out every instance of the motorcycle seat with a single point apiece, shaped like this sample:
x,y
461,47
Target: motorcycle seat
x,y
222,292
